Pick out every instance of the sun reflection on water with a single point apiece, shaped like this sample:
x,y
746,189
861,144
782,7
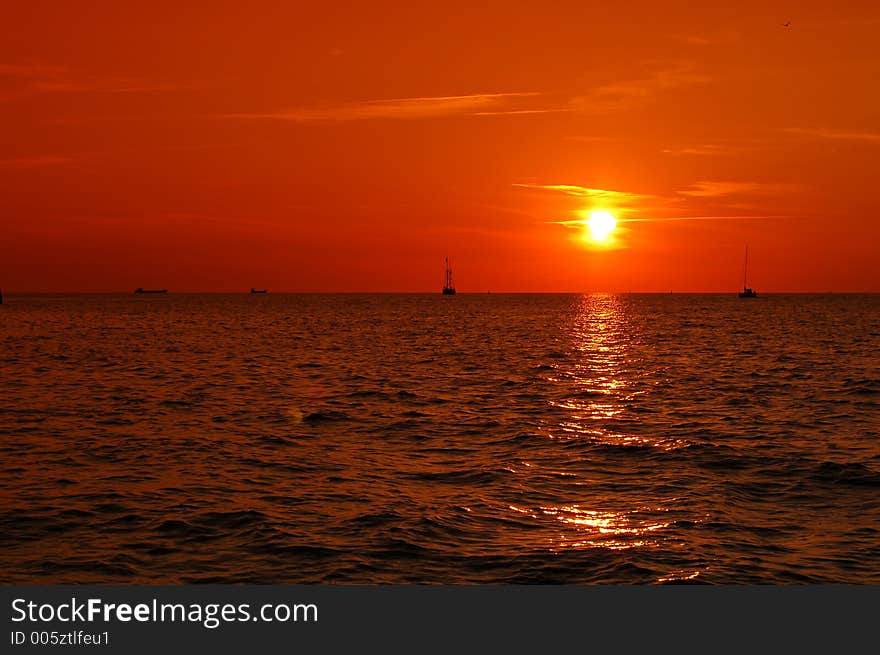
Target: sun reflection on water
x,y
590,528
596,388
603,378
679,576
598,343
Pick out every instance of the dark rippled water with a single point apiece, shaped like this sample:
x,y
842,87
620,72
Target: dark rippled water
x,y
417,438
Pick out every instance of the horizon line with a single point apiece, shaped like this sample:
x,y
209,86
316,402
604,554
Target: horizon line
x,y
428,293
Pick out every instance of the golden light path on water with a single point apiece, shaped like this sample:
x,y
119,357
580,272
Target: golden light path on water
x,y
602,377
605,373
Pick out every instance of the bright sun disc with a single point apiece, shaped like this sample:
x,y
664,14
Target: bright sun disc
x,y
601,224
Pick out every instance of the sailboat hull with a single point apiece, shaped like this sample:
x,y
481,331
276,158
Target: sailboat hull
x,y
448,292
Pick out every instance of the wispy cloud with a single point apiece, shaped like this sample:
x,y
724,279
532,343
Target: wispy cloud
x,y
702,189
623,203
606,195
664,79
688,205
623,94
607,97
710,189
709,149
515,112
28,79
603,98
821,133
744,217
405,108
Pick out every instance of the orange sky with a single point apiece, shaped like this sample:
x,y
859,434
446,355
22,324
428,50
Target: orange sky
x,y
351,147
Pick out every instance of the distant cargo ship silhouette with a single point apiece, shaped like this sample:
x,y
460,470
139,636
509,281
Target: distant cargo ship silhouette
x,y
142,290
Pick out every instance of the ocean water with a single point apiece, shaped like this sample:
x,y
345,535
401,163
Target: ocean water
x,y
429,439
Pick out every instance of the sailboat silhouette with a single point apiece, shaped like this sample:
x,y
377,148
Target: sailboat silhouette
x,y
747,292
448,287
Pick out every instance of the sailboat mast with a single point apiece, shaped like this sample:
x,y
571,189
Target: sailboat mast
x,y
746,270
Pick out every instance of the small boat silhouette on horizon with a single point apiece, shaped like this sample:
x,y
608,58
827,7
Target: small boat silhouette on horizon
x,y
142,290
259,290
747,291
448,287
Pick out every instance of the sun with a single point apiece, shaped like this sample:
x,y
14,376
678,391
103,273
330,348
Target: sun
x,y
601,224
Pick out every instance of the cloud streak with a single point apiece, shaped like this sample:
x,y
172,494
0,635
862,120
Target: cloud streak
x,y
635,207
481,104
604,98
841,135
587,192
624,94
746,217
709,149
708,189
24,80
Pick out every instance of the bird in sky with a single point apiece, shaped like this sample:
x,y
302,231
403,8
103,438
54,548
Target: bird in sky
x,y
786,23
